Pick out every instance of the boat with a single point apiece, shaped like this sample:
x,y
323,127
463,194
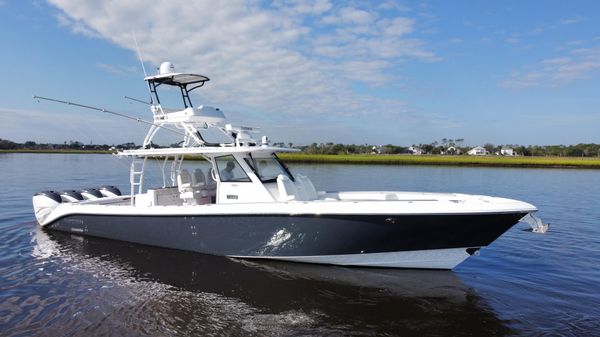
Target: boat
x,y
238,199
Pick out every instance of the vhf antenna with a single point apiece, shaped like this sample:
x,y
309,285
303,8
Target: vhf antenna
x,y
137,48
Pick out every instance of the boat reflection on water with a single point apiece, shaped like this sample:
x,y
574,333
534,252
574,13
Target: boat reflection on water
x,y
136,289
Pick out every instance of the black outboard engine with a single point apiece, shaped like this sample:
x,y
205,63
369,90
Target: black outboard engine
x,y
71,196
110,191
43,204
91,193
50,195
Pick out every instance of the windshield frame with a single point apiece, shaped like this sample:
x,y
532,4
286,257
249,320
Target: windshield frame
x,y
251,161
244,179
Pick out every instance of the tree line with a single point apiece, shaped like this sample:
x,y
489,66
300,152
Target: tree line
x,y
70,145
437,147
451,147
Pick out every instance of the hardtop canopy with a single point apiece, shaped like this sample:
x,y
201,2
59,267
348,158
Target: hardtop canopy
x,y
205,150
177,79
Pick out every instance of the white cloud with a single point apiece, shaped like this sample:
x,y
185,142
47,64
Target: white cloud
x,y
578,64
350,15
75,25
557,61
393,5
571,21
520,80
119,70
536,31
517,37
300,7
359,70
576,42
366,37
263,59
397,26
513,39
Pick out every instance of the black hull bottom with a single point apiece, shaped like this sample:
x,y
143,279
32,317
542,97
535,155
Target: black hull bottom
x,y
286,237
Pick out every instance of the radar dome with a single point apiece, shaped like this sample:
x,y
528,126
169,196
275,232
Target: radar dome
x,y
166,68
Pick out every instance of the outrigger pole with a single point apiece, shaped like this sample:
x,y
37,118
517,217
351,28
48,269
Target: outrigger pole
x,y
137,100
139,120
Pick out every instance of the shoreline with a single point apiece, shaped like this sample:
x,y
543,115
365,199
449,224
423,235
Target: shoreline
x,y
439,160
57,151
430,160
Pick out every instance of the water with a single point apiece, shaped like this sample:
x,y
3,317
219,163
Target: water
x,y
523,284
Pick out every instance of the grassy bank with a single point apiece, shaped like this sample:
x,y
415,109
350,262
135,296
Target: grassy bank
x,y
491,161
494,161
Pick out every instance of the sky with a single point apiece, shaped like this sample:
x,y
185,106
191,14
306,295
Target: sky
x,y
376,72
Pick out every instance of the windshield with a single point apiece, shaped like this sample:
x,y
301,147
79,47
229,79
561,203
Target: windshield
x,y
267,169
230,170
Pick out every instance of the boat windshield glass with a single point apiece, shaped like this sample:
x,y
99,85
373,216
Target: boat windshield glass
x,y
230,170
268,168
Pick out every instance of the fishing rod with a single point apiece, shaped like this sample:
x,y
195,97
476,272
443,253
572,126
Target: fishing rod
x,y
137,100
137,119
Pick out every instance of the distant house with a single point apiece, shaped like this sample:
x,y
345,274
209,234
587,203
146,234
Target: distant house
x,y
376,149
451,151
507,151
477,151
415,150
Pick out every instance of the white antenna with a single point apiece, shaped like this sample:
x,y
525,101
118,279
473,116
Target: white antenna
x,y
137,48
139,54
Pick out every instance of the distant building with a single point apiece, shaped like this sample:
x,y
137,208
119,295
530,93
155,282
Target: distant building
x,y
376,149
477,151
506,151
451,151
415,150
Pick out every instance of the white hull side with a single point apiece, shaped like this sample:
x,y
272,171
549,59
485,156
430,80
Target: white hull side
x,y
434,204
427,259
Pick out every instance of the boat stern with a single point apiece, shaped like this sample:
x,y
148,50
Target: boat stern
x,y
43,204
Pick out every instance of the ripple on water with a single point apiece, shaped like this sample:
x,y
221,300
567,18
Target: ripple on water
x,y
524,283
69,285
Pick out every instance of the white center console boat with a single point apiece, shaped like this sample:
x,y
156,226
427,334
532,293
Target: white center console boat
x,y
241,201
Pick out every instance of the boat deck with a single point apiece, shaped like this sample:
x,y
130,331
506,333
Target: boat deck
x,y
170,196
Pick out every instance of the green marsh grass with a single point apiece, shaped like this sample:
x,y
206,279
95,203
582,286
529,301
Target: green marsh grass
x,y
492,161
495,161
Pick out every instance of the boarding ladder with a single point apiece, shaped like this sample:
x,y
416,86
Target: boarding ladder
x,y
136,176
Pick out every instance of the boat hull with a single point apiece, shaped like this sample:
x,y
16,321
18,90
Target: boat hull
x,y
402,241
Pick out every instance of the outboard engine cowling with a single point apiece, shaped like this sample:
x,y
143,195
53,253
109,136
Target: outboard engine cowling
x,y
43,204
71,196
91,193
110,191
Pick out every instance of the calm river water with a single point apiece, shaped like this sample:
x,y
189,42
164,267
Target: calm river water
x,y
52,284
